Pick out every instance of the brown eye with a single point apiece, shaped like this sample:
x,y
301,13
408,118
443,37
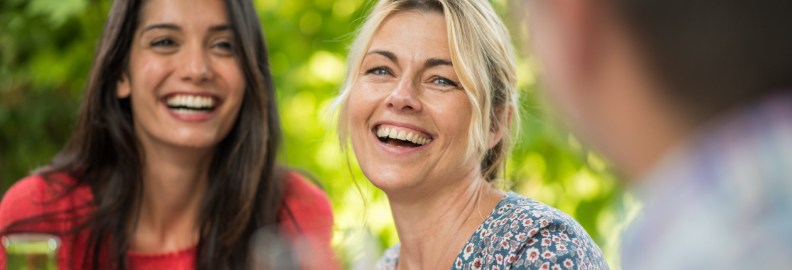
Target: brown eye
x,y
163,42
225,45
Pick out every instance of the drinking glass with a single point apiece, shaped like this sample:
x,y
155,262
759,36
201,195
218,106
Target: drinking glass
x,y
31,251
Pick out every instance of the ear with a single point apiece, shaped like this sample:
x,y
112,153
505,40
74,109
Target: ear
x,y
581,21
123,87
504,117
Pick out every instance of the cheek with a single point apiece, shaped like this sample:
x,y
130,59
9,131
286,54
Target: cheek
x,y
453,116
361,103
358,110
548,42
234,80
354,106
147,72
558,78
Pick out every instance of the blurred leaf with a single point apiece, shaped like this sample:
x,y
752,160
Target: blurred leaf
x,y
58,11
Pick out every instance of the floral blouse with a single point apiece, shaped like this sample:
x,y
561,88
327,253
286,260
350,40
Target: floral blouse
x,y
521,233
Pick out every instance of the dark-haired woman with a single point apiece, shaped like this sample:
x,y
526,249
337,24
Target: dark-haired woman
x,y
172,163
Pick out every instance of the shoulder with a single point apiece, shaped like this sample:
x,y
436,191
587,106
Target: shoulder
x,y
24,199
18,200
532,217
36,195
307,220
525,234
389,259
304,199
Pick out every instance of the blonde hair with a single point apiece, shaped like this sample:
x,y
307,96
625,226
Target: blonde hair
x,y
483,58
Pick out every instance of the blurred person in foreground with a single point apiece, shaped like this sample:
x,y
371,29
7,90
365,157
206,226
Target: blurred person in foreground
x,y
428,105
172,162
692,101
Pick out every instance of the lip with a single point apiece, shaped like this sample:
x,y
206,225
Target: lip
x,y
197,117
396,149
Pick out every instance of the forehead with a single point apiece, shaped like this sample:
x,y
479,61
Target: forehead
x,y
191,12
415,33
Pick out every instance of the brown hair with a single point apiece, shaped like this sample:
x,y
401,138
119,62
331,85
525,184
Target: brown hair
x,y
245,187
713,54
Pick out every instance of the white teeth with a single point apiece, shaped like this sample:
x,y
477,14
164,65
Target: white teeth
x,y
187,111
404,135
187,102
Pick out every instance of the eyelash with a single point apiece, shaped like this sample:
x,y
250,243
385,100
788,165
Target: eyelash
x,y
374,71
165,42
168,42
436,80
225,45
449,82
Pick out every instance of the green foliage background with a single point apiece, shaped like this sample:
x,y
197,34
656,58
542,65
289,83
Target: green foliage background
x,y
46,51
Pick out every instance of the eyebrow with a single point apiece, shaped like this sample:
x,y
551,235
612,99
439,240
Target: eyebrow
x,y
171,26
167,26
387,54
220,28
431,62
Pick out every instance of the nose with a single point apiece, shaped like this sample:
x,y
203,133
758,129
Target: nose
x,y
404,97
196,64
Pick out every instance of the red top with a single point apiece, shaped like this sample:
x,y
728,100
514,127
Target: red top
x,y
309,207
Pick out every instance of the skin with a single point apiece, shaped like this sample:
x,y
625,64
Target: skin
x,y
175,51
599,80
436,192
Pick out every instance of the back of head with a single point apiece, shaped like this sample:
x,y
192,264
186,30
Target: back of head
x,y
713,55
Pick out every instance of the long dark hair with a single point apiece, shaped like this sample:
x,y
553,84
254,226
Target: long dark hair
x,y
245,188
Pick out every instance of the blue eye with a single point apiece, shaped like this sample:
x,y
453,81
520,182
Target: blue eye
x,y
379,71
444,82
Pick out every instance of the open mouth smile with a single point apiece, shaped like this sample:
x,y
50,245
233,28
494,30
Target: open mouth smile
x,y
191,104
401,136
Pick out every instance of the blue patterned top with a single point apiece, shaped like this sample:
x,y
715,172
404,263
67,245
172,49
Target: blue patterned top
x,y
521,233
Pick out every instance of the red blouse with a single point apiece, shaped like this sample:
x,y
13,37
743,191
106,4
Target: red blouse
x,y
311,219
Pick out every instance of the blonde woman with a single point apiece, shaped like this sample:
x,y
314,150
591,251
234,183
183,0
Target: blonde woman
x,y
427,105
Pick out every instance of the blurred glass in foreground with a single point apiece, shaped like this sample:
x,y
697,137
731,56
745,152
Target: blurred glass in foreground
x,y
29,251
270,251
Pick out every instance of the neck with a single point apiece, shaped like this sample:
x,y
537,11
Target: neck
x,y
448,217
174,184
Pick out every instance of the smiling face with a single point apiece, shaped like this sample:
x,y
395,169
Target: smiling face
x,y
408,115
183,79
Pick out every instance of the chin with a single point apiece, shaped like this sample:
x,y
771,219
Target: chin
x,y
196,142
392,181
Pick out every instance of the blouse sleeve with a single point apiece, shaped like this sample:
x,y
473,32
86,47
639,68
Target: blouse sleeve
x,y
23,200
307,220
559,244
53,206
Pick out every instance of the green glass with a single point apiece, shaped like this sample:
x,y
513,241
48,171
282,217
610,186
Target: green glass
x,y
31,251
